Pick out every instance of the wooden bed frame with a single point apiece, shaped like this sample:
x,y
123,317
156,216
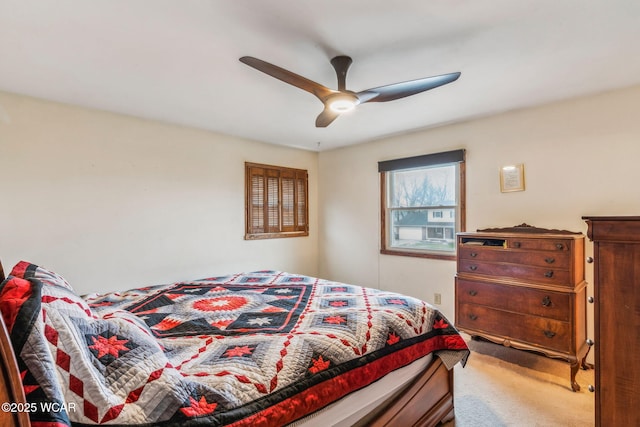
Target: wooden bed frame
x,y
427,401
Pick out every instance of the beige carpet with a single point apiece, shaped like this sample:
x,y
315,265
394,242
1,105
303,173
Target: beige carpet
x,y
502,386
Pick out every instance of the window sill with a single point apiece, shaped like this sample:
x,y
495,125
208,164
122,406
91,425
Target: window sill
x,y
275,235
415,254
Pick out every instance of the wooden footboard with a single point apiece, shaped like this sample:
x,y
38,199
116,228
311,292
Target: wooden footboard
x,y
427,401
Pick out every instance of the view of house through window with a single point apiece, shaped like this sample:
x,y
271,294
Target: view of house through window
x,y
422,204
276,202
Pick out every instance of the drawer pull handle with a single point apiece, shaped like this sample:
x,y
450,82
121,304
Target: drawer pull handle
x,y
549,334
473,267
591,388
473,254
590,342
516,244
590,300
473,293
549,274
549,260
559,246
473,317
546,301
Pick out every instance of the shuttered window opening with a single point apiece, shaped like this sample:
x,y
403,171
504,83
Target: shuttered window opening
x,y
276,202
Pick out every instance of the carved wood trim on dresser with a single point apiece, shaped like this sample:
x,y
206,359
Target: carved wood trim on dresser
x,y
616,273
524,287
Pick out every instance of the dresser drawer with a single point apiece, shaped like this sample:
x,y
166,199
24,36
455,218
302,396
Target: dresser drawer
x,y
538,331
534,274
524,243
536,302
555,259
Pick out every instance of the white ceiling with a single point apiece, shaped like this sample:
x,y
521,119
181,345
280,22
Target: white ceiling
x,y
177,61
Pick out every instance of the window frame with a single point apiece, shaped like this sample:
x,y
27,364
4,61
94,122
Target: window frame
x,y
424,161
299,203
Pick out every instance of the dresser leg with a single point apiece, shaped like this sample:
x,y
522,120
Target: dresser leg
x,y
584,365
574,371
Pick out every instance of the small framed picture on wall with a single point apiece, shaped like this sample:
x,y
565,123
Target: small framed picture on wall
x,y
512,178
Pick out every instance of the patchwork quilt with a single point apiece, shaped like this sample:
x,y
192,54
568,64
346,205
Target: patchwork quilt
x,y
254,349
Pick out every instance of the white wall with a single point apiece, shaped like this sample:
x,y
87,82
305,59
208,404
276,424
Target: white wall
x,y
581,157
89,194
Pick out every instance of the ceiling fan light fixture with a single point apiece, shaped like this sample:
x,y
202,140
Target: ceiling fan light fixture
x,y
343,102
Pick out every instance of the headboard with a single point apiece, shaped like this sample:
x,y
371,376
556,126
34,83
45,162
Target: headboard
x,y
11,390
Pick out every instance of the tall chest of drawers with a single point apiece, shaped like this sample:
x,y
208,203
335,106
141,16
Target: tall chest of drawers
x,y
524,287
616,273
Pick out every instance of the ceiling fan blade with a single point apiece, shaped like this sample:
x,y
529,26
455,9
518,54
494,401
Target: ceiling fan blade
x,y
325,118
401,90
287,76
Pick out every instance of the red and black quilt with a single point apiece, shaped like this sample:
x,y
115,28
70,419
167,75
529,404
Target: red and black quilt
x,y
254,349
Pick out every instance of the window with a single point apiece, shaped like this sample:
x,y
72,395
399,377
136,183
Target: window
x,y
422,204
276,202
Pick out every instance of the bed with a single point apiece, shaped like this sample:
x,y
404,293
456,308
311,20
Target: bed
x,y
264,348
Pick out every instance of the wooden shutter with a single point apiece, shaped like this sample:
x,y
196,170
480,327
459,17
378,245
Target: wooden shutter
x,y
288,201
301,201
272,204
256,201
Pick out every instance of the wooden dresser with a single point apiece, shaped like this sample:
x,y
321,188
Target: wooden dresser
x,y
524,287
616,273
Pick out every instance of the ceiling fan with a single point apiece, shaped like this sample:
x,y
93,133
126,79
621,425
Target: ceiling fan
x,y
342,100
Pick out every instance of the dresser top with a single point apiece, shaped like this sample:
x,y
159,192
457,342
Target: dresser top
x,y
524,230
611,218
613,228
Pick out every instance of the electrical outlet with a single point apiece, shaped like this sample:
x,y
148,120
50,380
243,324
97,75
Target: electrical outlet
x,y
437,298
